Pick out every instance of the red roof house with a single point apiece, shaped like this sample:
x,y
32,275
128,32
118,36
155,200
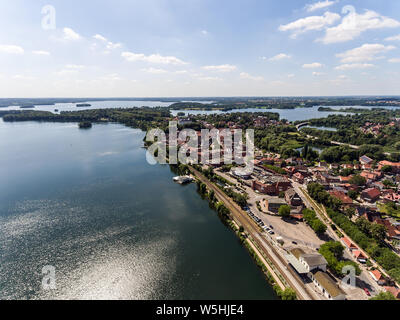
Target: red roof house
x,y
371,195
378,277
394,291
349,245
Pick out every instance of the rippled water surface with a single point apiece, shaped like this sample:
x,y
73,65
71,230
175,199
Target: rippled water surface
x,y
114,227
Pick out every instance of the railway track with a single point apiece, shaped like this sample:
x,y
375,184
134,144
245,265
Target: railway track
x,y
254,231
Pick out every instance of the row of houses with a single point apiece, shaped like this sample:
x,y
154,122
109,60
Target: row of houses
x,y
375,274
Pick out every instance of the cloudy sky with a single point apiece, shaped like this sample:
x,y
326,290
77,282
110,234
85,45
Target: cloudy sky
x,y
165,48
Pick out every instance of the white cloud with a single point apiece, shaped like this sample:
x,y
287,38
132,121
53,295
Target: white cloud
x,y
366,52
11,49
70,34
319,5
74,66
181,72
317,74
291,75
23,77
210,79
341,79
66,72
154,58
221,68
100,37
310,23
41,53
245,75
111,77
280,56
109,45
394,38
204,32
154,71
394,60
313,65
70,69
277,83
354,24
351,66
112,45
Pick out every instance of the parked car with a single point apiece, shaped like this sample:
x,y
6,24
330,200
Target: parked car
x,y
271,232
367,292
294,242
271,227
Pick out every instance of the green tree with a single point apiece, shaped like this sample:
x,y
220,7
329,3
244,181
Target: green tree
x,y
288,294
387,169
212,196
319,227
378,232
384,296
358,180
284,211
353,194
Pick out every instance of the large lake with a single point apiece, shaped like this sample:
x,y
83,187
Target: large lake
x,y
298,114
113,226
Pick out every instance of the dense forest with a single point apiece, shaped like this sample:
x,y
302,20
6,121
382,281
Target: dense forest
x,y
142,118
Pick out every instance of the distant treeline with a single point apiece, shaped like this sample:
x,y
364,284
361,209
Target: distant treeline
x,y
142,118
227,102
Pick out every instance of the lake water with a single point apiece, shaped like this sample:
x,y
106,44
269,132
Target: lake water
x,y
113,226
298,114
94,105
98,105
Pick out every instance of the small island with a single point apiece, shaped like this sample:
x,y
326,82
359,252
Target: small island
x,y
79,105
85,125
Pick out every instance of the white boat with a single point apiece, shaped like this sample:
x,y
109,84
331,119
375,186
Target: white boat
x,y
183,179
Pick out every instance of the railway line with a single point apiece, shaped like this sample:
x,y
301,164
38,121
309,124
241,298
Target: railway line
x,y
267,250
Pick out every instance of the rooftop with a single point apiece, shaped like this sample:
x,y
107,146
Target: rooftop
x,y
329,285
314,260
297,252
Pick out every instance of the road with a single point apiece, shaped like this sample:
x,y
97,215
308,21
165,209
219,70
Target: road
x,y
255,234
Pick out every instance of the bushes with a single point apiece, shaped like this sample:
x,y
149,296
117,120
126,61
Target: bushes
x,y
287,294
311,218
223,211
384,296
275,169
240,199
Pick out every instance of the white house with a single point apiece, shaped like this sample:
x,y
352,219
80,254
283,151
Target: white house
x,y
313,262
327,286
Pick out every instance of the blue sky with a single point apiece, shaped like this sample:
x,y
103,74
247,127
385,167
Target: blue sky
x,y
199,48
